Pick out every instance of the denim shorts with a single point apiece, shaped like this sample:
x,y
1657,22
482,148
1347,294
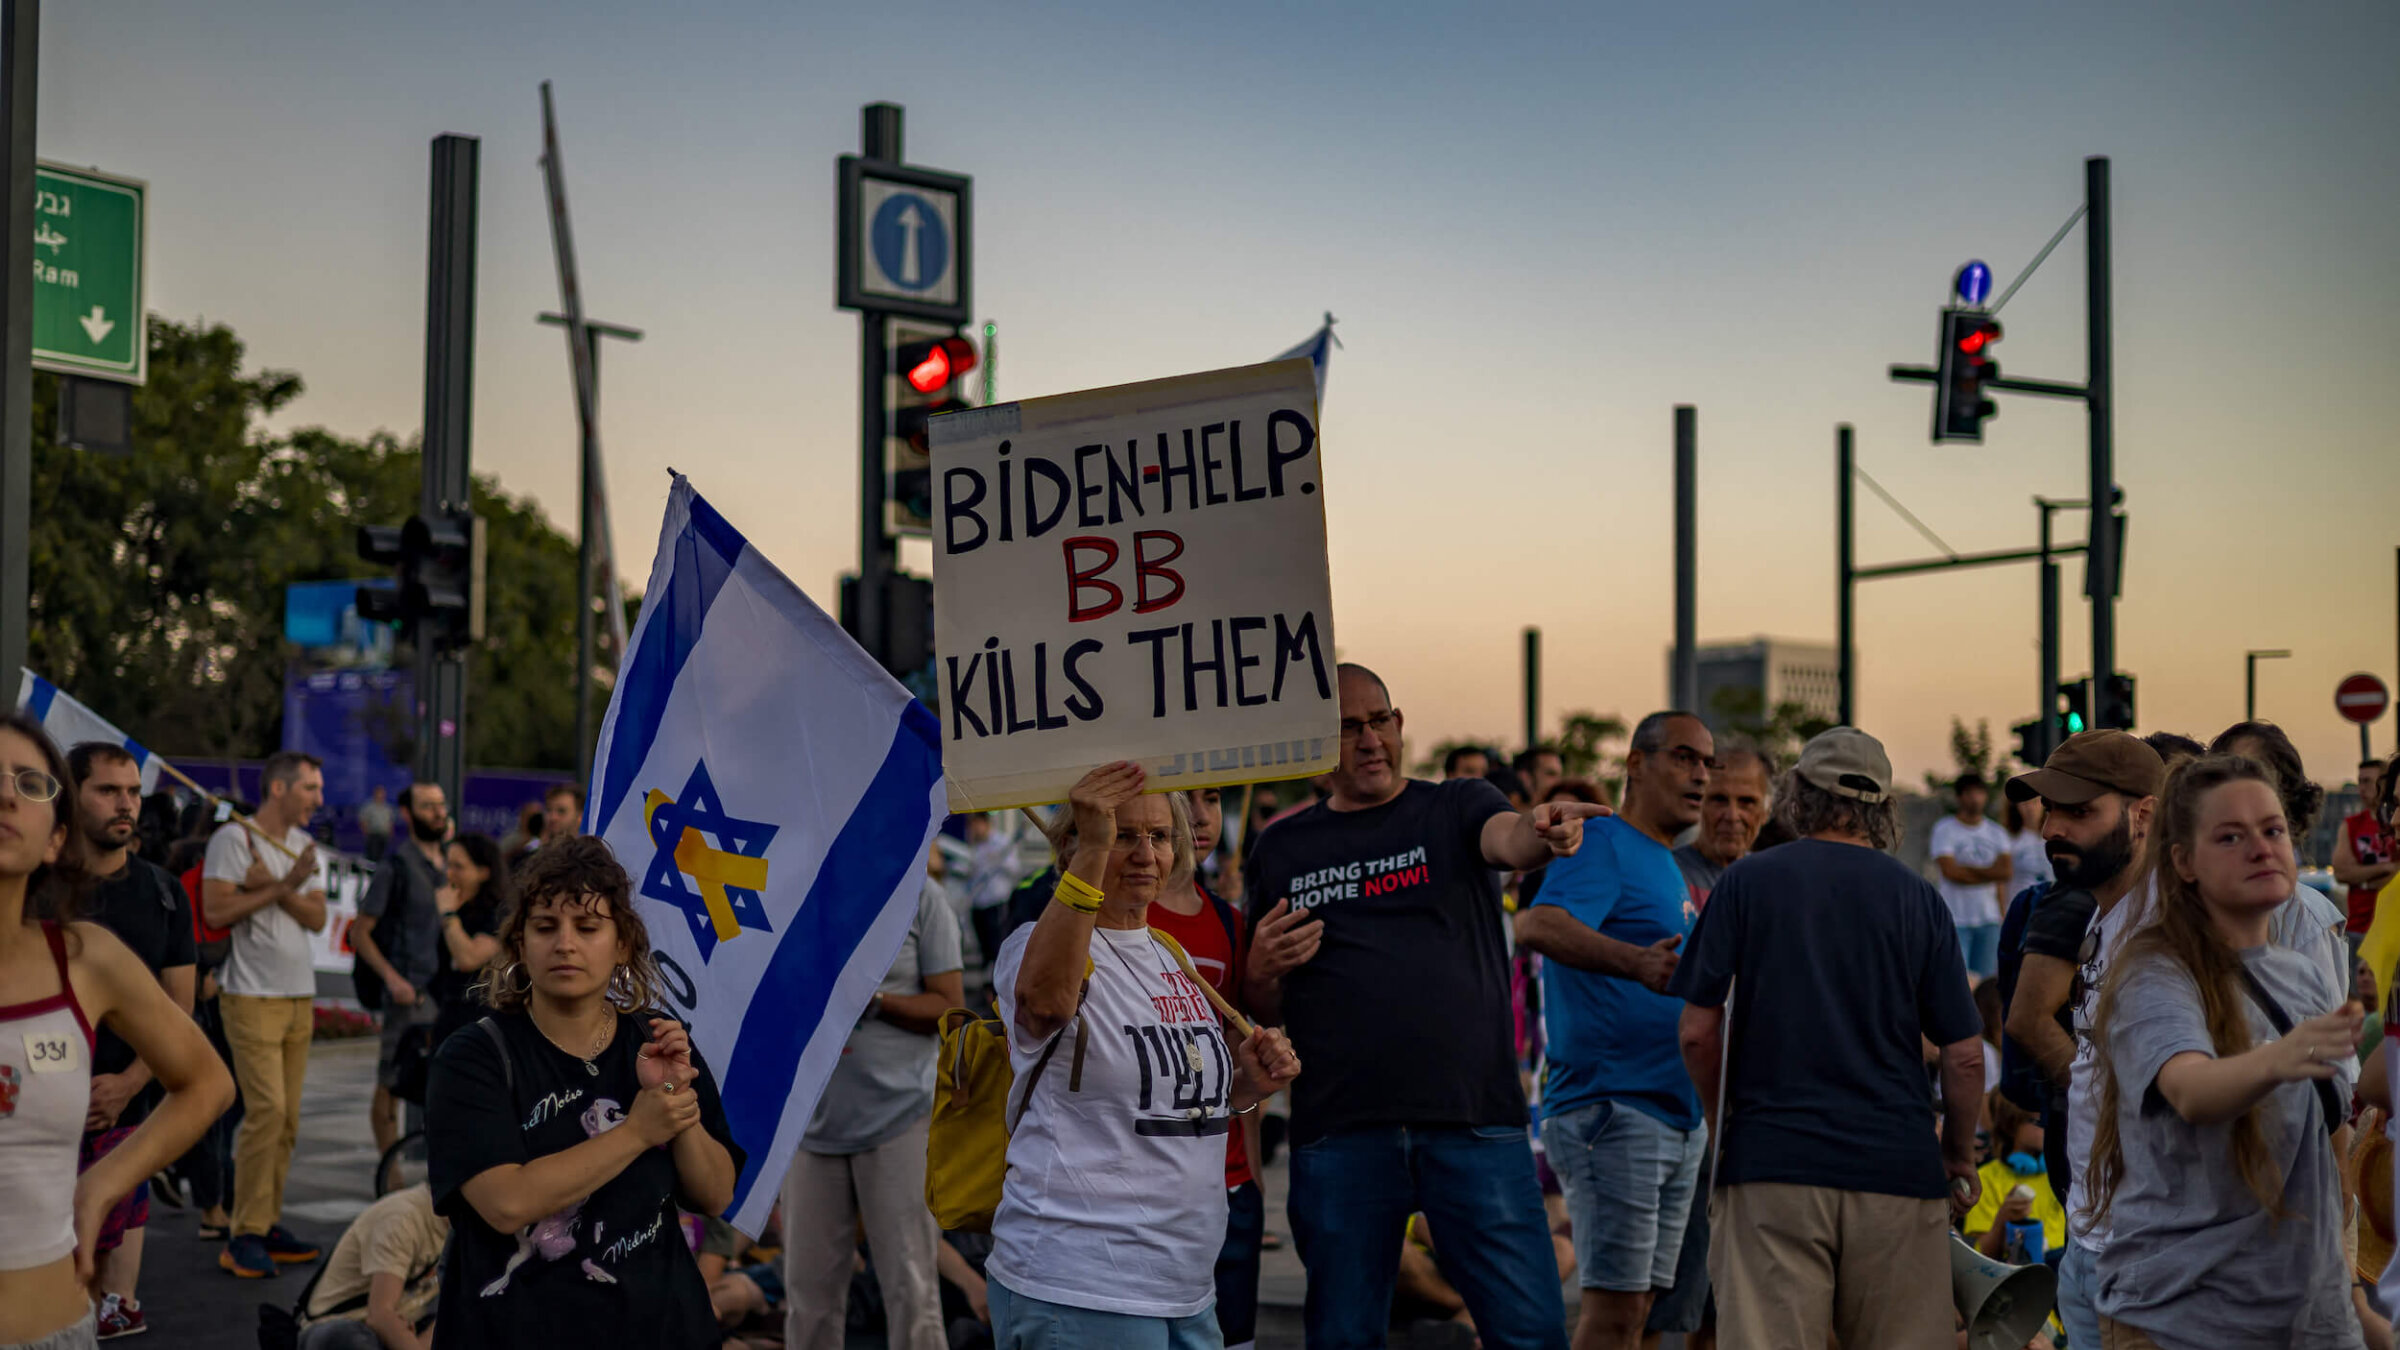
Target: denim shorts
x,y
1023,1322
1629,1180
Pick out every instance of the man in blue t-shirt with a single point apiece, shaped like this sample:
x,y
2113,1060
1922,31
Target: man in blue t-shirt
x,y
1620,1122
1840,963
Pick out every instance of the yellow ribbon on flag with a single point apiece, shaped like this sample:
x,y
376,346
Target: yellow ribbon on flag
x,y
713,868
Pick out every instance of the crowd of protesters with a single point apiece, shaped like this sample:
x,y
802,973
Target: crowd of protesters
x,y
1700,1046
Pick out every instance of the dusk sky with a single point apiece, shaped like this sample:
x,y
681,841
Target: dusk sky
x,y
1540,228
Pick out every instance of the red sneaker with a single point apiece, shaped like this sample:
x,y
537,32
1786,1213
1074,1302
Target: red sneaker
x,y
120,1317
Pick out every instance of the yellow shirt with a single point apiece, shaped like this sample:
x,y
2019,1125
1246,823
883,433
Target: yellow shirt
x,y
1998,1181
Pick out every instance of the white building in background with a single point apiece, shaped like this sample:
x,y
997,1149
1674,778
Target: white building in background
x,y
1778,670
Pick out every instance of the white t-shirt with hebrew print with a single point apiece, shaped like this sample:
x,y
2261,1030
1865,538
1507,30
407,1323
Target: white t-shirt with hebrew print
x,y
1115,1197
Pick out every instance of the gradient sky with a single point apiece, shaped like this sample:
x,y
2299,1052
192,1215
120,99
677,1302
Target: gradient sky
x,y
1540,227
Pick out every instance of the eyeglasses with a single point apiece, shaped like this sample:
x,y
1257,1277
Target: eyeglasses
x,y
1686,758
33,785
1382,724
1161,840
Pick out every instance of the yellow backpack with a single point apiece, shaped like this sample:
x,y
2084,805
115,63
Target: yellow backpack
x,y
966,1150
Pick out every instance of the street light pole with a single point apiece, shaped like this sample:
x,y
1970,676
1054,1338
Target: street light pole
x,y
2250,660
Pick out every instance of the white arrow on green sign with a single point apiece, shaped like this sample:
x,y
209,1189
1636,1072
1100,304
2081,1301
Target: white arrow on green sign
x,y
89,311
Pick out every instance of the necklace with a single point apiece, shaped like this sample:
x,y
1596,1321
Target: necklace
x,y
600,1042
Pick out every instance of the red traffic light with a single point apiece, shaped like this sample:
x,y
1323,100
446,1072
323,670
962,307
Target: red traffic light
x,y
927,366
1978,336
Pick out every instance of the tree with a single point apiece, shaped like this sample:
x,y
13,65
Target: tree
x,y
1780,732
1970,753
158,577
1583,746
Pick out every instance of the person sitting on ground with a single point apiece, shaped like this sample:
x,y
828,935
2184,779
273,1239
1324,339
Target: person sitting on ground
x,y
378,1289
2016,1187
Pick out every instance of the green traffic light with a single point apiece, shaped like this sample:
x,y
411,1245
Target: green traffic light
x,y
2074,723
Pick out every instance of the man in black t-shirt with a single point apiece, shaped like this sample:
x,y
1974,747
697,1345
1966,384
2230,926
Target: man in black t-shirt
x,y
398,936
148,909
1839,962
1378,943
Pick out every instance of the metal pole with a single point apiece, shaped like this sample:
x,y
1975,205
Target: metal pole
x,y
2100,559
449,425
2047,739
2250,686
880,136
1844,499
20,50
1686,693
587,566
1533,688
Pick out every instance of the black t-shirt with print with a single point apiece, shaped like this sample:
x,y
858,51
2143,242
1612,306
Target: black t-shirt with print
x,y
1403,1015
453,990
611,1271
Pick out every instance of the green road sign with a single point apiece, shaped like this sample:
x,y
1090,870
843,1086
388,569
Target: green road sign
x,y
88,302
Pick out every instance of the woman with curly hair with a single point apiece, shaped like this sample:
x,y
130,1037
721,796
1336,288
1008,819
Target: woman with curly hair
x,y
564,1130
2211,1157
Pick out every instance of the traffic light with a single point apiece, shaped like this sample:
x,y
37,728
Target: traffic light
x,y
2031,748
928,360
1966,364
907,620
439,562
2116,702
2075,712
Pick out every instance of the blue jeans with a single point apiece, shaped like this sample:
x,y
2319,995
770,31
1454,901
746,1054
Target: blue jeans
x,y
2078,1284
1237,1265
1352,1193
1979,943
1628,1178
1022,1322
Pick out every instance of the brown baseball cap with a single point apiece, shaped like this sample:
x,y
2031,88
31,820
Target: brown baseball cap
x,y
1849,763
2090,763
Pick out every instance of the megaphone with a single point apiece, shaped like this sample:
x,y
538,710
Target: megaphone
x,y
2004,1305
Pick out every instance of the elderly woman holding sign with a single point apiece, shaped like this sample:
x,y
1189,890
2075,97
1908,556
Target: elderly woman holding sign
x,y
1114,1206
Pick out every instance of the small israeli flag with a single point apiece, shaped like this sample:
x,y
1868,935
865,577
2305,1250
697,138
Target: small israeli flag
x,y
70,724
1318,351
772,792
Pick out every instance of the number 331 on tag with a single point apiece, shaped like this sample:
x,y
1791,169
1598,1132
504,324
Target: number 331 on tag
x,y
48,1052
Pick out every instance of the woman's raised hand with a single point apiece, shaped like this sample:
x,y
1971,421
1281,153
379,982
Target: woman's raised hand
x,y
1095,800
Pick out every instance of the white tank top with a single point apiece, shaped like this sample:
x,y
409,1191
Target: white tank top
x,y
45,1092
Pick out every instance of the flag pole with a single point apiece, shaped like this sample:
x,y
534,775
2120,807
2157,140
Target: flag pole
x,y
245,821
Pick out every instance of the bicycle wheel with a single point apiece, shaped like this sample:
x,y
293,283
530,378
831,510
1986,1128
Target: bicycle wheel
x,y
402,1165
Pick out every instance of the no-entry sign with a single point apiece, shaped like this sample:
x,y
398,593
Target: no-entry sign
x,y
2361,698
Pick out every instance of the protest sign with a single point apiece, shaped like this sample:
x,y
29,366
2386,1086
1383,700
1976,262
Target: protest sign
x,y
1134,573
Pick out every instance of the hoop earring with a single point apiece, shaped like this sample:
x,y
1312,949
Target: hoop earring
x,y
620,986
510,972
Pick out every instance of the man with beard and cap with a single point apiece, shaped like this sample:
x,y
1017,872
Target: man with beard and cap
x,y
398,936
2098,790
140,903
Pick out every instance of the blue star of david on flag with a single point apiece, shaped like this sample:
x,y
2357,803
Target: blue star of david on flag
x,y
720,898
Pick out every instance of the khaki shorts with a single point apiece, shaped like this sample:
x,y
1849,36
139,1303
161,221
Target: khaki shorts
x,y
1790,1263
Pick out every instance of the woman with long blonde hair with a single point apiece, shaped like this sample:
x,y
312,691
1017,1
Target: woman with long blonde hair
x,y
2211,1158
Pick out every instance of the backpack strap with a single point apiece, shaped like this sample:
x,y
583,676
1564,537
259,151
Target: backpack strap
x,y
2328,1102
508,1067
1074,1071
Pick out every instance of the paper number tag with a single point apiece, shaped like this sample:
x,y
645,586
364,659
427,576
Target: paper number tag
x,y
49,1052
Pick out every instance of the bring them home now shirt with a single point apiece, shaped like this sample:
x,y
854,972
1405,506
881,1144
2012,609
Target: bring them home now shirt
x,y
1403,1016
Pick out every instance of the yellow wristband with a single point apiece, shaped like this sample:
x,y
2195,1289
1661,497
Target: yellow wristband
x,y
1077,894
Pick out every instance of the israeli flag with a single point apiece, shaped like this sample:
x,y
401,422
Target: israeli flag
x,y
772,792
1318,352
70,724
